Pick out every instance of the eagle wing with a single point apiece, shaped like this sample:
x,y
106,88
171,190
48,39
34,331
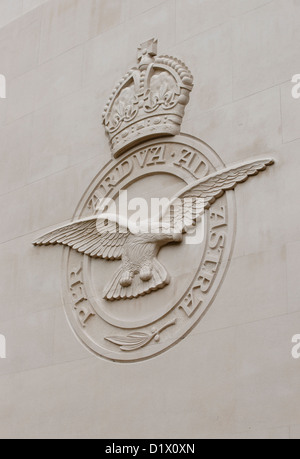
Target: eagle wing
x,y
189,204
94,236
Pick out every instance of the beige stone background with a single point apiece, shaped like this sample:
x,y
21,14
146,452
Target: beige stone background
x,y
233,376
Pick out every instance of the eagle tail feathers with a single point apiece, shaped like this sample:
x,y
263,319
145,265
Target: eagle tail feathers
x,y
115,291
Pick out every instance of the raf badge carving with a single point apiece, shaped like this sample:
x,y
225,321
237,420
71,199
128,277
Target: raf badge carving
x,y
151,239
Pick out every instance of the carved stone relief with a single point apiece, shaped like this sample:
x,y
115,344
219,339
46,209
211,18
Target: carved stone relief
x,y
134,290
149,101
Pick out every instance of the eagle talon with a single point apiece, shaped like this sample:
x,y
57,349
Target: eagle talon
x,y
126,279
146,274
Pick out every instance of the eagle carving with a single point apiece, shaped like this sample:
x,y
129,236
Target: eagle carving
x,y
111,237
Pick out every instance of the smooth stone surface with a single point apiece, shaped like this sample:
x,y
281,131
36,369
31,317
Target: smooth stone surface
x,y
234,375
21,34
208,55
293,285
290,113
195,17
246,128
295,432
264,55
68,24
10,10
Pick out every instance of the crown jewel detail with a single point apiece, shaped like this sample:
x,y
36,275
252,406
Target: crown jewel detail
x,y
149,101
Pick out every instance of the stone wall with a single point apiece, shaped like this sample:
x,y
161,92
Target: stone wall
x,y
233,376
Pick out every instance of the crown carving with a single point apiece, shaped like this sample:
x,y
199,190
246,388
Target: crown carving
x,y
149,101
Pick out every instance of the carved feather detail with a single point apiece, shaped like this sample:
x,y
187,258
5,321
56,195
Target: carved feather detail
x,y
215,185
90,237
191,202
140,272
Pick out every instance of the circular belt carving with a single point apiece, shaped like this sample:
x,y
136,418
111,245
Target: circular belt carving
x,y
132,329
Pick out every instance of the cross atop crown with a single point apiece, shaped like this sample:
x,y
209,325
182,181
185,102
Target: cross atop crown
x,y
146,53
